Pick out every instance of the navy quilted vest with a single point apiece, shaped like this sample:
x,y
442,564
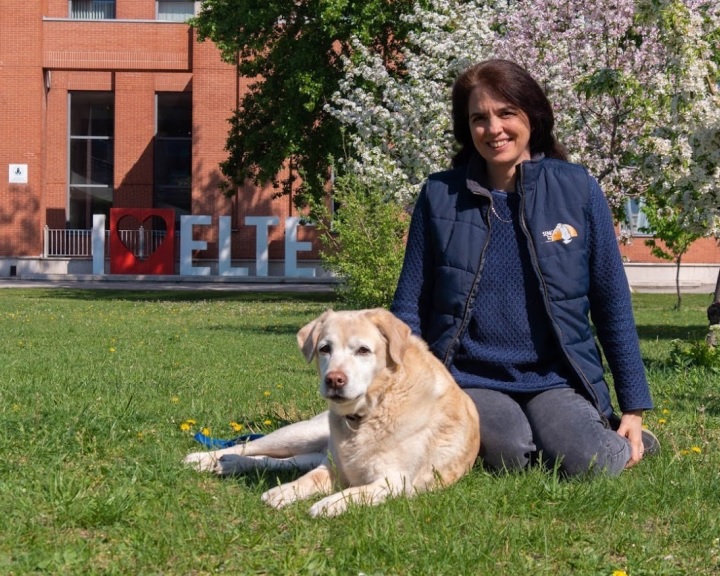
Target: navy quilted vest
x,y
553,215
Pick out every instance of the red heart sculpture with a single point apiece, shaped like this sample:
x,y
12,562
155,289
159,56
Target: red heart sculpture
x,y
141,238
133,253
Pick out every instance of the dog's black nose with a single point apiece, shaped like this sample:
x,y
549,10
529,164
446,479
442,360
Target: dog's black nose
x,y
335,380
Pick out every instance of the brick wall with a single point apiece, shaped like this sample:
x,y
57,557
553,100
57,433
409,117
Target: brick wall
x,y
703,251
108,45
44,55
22,101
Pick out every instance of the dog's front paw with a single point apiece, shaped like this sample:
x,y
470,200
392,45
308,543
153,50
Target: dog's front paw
x,y
330,506
225,464
280,496
201,461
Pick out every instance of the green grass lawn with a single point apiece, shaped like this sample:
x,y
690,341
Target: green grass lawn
x,y
95,387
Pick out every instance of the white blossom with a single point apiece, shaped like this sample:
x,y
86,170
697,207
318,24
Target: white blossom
x,y
633,85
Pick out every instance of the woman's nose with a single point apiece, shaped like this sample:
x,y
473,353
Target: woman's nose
x,y
494,125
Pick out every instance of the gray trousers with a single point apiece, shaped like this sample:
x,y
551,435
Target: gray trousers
x,y
557,426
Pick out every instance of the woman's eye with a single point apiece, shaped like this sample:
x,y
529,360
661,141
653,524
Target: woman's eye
x,y
325,349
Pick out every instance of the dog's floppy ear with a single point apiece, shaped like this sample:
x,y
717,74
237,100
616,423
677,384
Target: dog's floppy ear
x,y
307,337
395,331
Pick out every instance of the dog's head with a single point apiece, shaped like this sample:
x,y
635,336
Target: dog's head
x,y
352,348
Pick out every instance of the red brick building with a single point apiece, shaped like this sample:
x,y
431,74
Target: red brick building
x,y
113,103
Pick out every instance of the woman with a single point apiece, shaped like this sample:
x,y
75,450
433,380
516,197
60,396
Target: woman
x,y
507,254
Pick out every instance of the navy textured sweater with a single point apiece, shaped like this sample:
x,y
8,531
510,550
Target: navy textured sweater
x,y
508,344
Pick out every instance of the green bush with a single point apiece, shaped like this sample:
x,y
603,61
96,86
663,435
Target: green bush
x,y
697,354
363,243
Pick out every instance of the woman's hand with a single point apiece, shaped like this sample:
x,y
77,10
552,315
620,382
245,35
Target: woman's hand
x,y
631,428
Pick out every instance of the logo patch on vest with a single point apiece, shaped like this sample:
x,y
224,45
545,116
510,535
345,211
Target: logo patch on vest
x,y
562,233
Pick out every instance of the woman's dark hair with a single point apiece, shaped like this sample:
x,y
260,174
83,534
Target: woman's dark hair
x,y
513,84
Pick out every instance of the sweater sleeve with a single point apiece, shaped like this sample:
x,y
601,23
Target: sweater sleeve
x,y
411,302
611,308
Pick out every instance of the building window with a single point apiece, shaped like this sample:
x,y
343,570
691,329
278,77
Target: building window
x,y
173,150
92,9
175,10
92,127
636,223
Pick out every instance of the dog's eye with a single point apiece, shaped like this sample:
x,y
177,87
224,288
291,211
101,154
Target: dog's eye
x,y
325,349
363,351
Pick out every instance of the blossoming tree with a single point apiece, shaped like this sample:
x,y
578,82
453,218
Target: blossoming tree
x,y
632,83
400,123
288,53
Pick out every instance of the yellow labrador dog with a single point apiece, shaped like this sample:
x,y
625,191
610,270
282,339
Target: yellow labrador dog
x,y
397,421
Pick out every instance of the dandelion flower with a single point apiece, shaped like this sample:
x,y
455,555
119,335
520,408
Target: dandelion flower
x,y
266,393
191,421
662,421
665,411
185,426
112,349
619,573
175,399
696,449
206,431
267,422
236,427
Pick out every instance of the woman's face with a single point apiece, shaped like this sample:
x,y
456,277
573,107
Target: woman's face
x,y
500,131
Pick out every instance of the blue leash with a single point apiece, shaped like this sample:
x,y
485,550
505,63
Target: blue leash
x,y
209,442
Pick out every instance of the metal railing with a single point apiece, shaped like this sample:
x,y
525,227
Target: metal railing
x,y
142,243
78,243
67,243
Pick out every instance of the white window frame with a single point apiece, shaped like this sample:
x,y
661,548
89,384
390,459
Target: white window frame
x,y
181,16
93,10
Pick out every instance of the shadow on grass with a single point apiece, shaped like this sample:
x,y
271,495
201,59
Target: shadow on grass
x,y
671,332
692,401
185,295
280,329
263,477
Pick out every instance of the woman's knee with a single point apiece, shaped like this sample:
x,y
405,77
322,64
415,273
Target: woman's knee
x,y
506,441
570,433
507,456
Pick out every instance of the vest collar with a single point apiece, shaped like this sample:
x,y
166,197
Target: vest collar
x,y
476,176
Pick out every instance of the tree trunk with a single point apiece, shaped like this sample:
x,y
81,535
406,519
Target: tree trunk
x,y
677,282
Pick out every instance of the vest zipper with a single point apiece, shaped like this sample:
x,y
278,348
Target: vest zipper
x,y
470,304
558,331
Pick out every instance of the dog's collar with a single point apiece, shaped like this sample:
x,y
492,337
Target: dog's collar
x,y
352,421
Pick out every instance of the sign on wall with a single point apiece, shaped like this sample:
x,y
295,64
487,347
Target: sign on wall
x,y
18,174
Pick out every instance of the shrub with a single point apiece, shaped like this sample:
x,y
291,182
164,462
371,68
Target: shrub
x,y
363,243
695,354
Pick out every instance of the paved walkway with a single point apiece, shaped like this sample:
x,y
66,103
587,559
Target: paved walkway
x,y
194,283
244,284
